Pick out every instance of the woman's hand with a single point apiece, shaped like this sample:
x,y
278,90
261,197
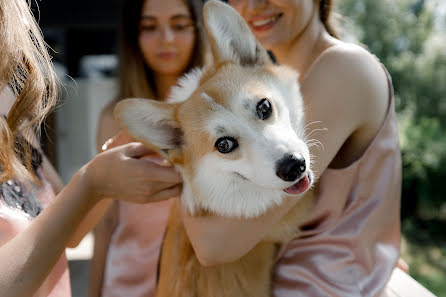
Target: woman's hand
x,y
119,139
129,172
117,173
120,173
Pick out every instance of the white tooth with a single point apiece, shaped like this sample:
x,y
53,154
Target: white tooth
x,y
263,22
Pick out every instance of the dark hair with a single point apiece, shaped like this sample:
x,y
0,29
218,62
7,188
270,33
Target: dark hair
x,y
136,79
325,11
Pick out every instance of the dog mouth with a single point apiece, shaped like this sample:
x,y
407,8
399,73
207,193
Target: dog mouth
x,y
301,186
298,188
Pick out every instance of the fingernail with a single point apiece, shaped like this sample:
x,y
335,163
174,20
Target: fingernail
x,y
106,144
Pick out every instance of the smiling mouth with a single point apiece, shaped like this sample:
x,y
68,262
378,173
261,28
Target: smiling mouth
x,y
265,24
301,186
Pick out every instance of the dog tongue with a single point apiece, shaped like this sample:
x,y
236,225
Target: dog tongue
x,y
298,187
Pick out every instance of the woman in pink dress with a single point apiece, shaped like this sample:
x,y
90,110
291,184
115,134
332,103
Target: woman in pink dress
x,y
38,216
160,41
349,244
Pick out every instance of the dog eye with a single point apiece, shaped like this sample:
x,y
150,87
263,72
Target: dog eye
x,y
264,109
226,144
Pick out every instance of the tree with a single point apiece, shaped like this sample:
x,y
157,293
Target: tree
x,y
406,37
409,38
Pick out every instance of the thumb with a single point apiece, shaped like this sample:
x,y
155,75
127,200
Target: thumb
x,y
120,138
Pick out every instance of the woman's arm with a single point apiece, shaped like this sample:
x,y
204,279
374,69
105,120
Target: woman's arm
x,y
118,173
29,257
347,92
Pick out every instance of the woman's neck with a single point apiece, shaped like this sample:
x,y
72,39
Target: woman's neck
x,y
301,52
163,85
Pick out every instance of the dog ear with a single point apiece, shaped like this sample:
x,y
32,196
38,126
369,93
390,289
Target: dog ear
x,y
230,37
151,122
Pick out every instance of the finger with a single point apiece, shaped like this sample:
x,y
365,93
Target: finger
x,y
403,265
120,138
174,191
162,173
151,187
107,145
136,150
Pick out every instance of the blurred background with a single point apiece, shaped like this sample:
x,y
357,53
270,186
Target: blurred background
x,y
408,36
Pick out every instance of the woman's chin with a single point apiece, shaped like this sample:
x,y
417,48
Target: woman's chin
x,y
268,41
169,67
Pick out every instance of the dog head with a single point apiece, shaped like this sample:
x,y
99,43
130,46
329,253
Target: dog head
x,y
234,129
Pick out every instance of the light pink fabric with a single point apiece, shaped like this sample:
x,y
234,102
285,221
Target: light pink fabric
x,y
13,221
350,244
132,258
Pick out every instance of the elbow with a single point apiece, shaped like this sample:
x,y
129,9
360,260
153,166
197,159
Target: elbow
x,y
212,240
207,260
73,242
215,256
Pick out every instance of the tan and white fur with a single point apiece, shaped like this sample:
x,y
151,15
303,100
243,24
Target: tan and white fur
x,y
235,131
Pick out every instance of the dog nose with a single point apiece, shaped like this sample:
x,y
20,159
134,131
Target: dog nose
x,y
290,167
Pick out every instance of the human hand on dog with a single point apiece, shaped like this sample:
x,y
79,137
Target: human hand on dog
x,y
119,139
123,172
123,138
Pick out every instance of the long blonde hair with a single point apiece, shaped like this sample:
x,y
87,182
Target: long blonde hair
x,y
25,66
136,79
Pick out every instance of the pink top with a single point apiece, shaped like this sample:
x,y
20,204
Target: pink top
x,y
13,221
132,258
350,244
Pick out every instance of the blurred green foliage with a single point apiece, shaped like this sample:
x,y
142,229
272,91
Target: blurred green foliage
x,y
409,37
403,34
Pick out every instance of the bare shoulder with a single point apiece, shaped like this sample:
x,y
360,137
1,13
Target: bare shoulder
x,y
108,126
351,77
354,74
346,90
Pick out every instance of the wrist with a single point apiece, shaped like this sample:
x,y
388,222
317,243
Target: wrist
x,y
86,181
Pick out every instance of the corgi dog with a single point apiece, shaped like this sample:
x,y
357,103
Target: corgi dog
x,y
235,132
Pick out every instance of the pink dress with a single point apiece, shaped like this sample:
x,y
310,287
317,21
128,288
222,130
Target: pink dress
x,y
349,246
132,258
13,221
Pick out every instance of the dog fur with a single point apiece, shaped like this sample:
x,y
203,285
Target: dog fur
x,y
221,103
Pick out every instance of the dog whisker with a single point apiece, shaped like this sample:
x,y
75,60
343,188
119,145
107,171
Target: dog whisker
x,y
306,127
315,130
311,123
314,142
